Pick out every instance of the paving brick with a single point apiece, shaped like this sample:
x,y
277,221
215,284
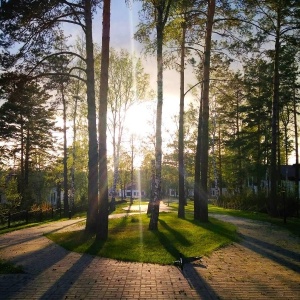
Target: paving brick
x,y
264,265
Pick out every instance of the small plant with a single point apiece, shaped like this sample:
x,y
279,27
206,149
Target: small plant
x,y
44,206
7,267
134,220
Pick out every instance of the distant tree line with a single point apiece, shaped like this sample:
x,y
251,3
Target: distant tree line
x,y
243,123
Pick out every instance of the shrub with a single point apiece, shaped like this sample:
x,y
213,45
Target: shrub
x,y
245,201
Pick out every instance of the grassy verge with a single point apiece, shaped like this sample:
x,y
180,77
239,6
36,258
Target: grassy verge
x,y
9,268
130,240
292,225
19,227
13,228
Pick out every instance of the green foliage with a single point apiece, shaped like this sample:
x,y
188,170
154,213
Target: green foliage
x,y
247,200
130,240
13,197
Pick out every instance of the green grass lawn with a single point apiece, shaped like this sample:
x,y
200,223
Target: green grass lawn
x,y
9,268
292,225
130,240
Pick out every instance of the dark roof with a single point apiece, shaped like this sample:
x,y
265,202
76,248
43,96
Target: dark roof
x,y
134,186
289,171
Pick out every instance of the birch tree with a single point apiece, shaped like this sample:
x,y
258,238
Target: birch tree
x,y
156,13
128,85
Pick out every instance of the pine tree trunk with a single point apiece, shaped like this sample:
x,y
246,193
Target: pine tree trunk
x,y
202,214
102,232
275,123
92,213
116,170
181,210
22,164
131,172
66,187
74,153
197,181
27,199
220,163
296,151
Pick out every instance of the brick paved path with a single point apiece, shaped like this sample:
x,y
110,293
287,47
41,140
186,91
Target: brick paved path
x,y
265,265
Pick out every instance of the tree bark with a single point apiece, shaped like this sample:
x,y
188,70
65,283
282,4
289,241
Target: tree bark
x,y
102,232
131,172
181,210
66,186
92,213
197,181
239,151
22,163
220,163
275,125
158,145
296,150
202,213
26,163
74,151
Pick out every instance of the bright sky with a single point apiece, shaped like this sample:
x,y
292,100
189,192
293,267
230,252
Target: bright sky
x,y
123,26
140,120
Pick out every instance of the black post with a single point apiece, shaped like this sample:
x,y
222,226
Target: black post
x,y
26,216
9,216
152,187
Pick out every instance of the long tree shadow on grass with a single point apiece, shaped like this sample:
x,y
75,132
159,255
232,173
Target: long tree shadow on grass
x,y
217,227
180,237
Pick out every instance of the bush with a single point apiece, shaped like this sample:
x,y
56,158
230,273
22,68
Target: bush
x,y
245,201
44,206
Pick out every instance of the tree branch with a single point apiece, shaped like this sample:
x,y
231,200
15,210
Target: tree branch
x,y
73,4
192,87
56,54
77,68
58,74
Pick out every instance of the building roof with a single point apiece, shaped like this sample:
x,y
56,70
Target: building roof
x,y
289,171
